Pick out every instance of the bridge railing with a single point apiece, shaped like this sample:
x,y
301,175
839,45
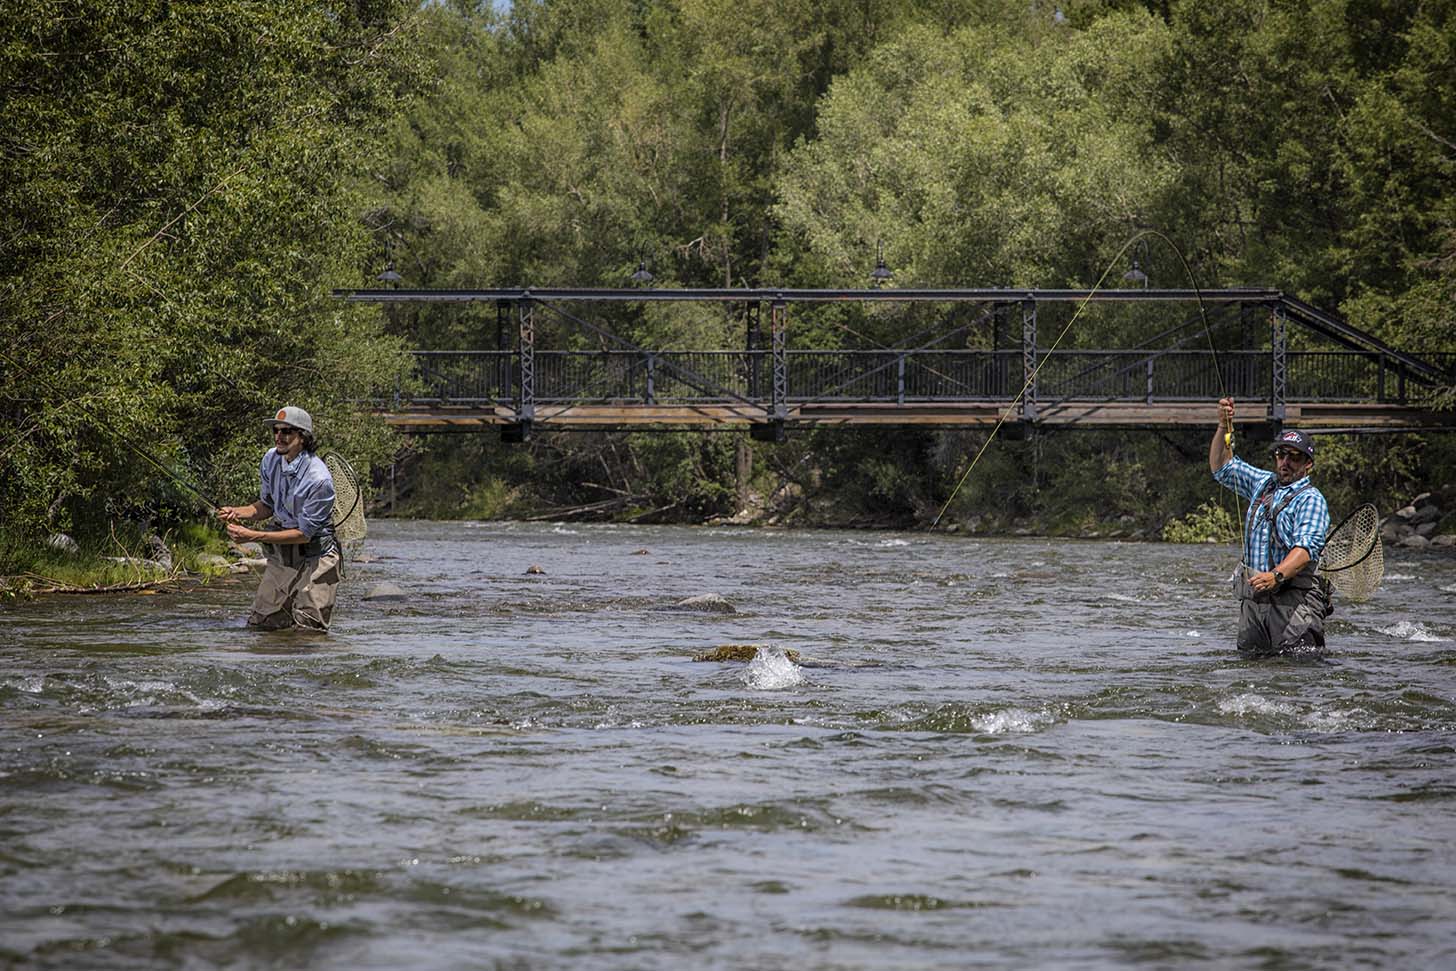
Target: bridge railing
x,y
482,378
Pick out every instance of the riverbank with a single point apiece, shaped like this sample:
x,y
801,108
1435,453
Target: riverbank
x,y
61,565
1427,521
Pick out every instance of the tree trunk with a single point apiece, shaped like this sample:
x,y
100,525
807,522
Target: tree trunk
x,y
744,472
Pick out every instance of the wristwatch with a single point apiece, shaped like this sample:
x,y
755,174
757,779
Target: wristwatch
x,y
1278,578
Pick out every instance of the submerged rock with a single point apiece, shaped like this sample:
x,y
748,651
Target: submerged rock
x,y
740,652
707,603
385,590
534,570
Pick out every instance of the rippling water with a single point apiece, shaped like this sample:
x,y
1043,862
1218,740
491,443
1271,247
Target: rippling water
x,y
991,753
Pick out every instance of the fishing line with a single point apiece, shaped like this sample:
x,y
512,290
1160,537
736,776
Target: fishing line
x,y
1113,264
99,422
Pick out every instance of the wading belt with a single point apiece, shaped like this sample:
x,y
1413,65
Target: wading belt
x,y
322,542
292,554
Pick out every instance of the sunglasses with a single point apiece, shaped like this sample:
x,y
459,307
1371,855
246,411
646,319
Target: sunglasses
x,y
1289,455
284,432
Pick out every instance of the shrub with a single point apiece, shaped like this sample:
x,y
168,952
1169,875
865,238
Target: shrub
x,y
1209,523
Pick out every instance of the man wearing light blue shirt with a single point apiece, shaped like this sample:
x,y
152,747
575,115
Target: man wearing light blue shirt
x,y
301,580
1283,601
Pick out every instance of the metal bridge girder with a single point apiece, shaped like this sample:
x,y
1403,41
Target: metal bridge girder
x,y
1028,360
517,386
778,315
1278,364
526,365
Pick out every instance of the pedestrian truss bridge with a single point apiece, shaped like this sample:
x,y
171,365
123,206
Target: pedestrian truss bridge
x,y
553,359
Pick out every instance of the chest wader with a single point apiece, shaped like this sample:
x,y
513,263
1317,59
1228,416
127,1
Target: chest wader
x,y
299,584
1290,619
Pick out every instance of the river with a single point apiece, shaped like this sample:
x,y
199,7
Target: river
x,y
993,753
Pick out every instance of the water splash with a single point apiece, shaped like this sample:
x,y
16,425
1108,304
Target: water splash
x,y
1010,720
1250,703
1410,631
1332,721
771,670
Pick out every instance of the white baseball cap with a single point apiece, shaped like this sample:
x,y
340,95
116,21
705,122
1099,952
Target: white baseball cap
x,y
294,417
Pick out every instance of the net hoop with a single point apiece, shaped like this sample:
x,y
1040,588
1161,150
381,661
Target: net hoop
x,y
1367,544
1354,560
347,516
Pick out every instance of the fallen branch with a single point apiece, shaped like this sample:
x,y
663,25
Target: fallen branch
x,y
567,511
59,587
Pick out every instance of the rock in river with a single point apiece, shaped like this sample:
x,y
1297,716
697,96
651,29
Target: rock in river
x,y
706,603
385,590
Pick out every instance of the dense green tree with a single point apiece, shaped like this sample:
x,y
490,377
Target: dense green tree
x,y
180,192
1315,140
184,183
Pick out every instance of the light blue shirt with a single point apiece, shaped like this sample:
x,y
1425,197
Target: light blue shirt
x,y
1304,522
300,493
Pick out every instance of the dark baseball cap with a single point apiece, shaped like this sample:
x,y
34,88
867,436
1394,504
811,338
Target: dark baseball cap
x,y
1295,439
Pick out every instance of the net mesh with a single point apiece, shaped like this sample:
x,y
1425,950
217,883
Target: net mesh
x,y
348,516
1353,560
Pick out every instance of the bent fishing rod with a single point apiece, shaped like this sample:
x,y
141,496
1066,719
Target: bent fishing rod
x,y
1081,307
106,426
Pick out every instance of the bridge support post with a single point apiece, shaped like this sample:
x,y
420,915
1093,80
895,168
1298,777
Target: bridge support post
x,y
652,379
1278,362
520,431
1028,360
778,319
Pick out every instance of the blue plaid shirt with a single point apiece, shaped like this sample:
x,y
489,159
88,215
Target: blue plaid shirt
x,y
1304,522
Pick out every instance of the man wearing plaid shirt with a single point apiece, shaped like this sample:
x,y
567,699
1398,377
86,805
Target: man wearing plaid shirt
x,y
1283,602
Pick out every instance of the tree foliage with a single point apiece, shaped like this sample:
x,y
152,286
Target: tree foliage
x,y
186,181
182,188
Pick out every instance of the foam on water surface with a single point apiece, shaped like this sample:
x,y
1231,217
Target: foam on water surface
x,y
1412,631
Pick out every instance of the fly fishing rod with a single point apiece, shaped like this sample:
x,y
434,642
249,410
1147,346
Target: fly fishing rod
x,y
1081,307
104,425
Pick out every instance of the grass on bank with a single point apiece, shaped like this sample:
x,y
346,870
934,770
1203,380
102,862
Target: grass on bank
x,y
30,564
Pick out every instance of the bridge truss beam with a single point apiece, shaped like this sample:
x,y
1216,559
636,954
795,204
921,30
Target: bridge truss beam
x,y
630,386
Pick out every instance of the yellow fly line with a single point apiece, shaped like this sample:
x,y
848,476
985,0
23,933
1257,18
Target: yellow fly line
x,y
1113,264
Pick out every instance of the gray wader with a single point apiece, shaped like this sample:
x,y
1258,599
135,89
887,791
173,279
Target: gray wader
x,y
1287,620
1290,619
299,585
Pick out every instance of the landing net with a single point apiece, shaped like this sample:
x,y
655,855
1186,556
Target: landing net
x,y
1353,560
348,515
